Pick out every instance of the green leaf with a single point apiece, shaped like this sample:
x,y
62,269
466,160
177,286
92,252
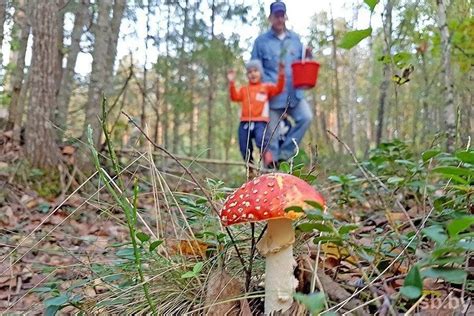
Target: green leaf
x,y
198,267
309,227
459,224
297,209
315,204
352,38
42,289
452,275
457,171
343,230
51,310
335,179
142,236
413,285
284,167
395,180
155,244
436,233
56,301
466,156
427,155
371,4
314,302
326,239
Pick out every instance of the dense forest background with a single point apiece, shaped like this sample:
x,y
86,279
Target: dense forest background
x,y
410,80
105,220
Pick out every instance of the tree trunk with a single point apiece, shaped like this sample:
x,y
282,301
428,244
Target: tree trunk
x,y
447,78
165,107
211,89
336,94
145,70
67,79
3,16
118,10
384,85
40,146
99,73
16,109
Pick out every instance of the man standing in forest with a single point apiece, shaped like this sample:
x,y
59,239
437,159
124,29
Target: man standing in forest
x,y
280,45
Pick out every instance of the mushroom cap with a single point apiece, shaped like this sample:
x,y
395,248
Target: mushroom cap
x,y
267,197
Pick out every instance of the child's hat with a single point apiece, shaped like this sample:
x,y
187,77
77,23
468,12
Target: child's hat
x,y
254,63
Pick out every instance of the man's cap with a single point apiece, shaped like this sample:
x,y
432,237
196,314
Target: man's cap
x,y
254,63
277,6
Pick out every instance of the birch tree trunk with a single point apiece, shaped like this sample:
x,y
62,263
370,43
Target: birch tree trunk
x,y
384,85
40,146
16,109
67,78
447,78
99,72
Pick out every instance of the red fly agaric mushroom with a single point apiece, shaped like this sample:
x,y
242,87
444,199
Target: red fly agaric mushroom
x,y
266,198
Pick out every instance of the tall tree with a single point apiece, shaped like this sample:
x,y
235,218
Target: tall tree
x,y
447,77
99,72
3,17
39,135
211,87
384,85
67,79
21,31
113,36
336,90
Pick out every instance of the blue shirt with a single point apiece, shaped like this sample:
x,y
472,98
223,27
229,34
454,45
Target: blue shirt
x,y
270,50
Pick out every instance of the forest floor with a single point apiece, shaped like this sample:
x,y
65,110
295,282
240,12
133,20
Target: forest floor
x,y
54,247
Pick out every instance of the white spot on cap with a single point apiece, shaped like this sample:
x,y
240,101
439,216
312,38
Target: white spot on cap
x,y
265,213
256,181
251,216
257,208
266,192
241,196
257,200
270,184
244,215
234,216
255,191
224,218
246,203
240,210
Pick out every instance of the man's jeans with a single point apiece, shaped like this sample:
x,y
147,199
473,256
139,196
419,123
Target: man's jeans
x,y
302,116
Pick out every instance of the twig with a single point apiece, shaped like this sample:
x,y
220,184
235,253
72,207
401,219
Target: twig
x,y
415,305
189,173
422,225
363,305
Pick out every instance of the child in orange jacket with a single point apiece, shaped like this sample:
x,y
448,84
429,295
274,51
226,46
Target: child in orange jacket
x,y
254,115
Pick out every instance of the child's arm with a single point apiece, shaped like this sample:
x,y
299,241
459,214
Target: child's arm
x,y
235,94
273,90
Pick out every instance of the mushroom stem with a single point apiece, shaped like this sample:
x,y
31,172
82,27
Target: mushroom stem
x,y
280,283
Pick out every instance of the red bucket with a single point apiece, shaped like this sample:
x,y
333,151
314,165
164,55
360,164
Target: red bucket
x,y
305,74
